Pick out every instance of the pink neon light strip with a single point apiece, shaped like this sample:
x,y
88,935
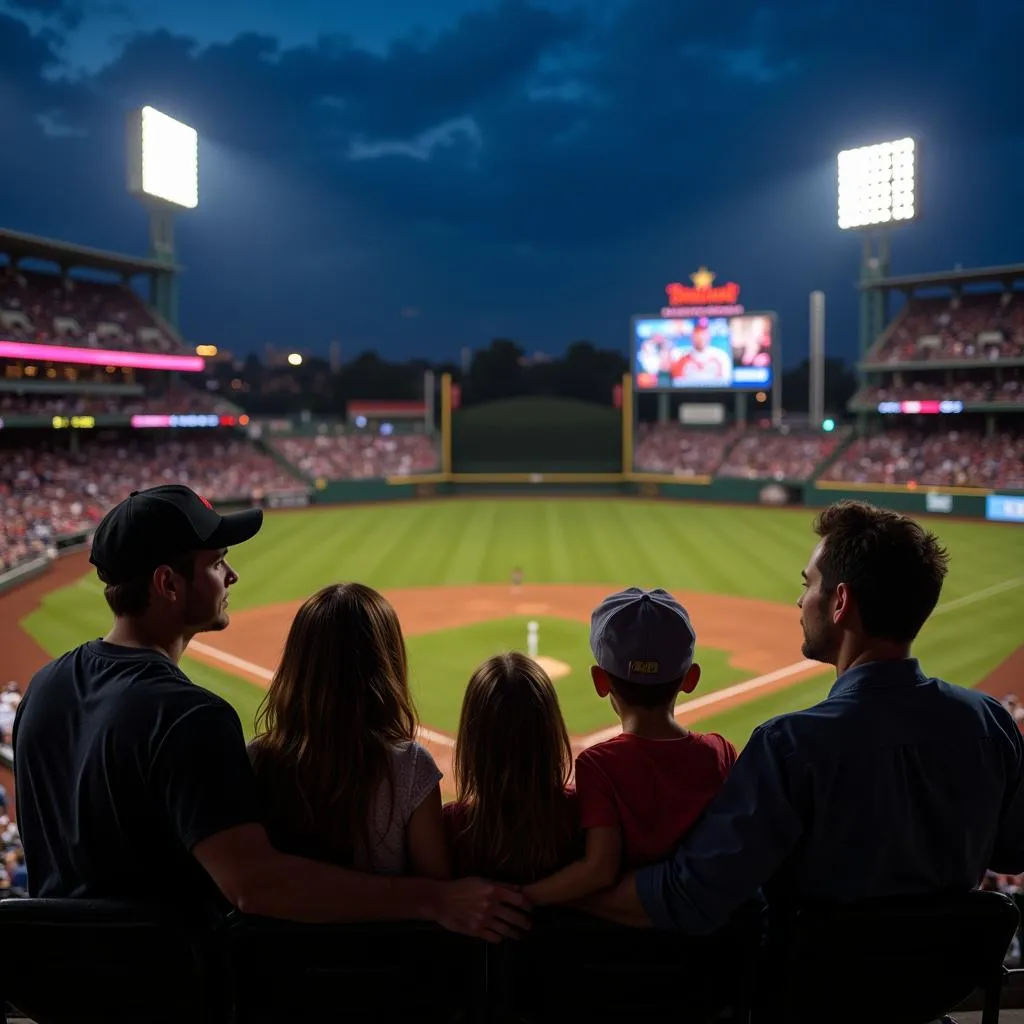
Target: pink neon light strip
x,y
100,357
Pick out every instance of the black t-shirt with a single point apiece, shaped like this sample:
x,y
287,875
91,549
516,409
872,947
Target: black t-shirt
x,y
123,765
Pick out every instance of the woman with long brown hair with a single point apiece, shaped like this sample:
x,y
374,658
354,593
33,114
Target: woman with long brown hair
x,y
340,774
515,817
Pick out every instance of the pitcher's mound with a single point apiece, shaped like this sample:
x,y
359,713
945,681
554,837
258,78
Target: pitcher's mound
x,y
555,669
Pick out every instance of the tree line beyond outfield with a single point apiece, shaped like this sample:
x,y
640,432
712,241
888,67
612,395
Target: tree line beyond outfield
x,y
503,369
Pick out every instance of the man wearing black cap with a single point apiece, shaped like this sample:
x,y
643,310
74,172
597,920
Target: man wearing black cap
x,y
134,783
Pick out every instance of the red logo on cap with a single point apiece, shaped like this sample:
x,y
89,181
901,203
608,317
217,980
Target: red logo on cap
x,y
205,501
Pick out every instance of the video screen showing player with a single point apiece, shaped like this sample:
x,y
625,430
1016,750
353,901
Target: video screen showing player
x,y
684,353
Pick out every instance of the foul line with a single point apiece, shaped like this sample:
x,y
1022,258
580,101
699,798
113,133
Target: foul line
x,y
263,673
980,595
718,696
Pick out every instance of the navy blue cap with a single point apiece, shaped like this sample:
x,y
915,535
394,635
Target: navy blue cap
x,y
642,636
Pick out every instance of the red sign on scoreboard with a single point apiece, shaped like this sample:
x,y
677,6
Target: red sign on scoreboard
x,y
703,295
456,394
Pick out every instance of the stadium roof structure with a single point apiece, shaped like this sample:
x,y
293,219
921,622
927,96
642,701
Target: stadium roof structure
x,y
977,275
18,245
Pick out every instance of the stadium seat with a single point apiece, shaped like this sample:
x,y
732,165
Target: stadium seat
x,y
279,972
69,961
898,961
571,966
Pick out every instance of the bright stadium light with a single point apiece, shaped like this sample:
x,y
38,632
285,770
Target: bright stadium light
x,y
294,359
163,158
878,184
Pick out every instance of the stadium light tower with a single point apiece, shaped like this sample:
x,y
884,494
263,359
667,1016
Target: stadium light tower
x,y
163,172
877,191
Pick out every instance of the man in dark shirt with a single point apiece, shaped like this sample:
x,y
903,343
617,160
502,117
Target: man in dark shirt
x,y
896,784
134,783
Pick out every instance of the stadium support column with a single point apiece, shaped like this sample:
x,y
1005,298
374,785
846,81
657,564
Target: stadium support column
x,y
446,424
816,397
628,421
663,407
161,245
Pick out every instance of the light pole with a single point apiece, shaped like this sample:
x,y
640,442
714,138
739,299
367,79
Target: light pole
x,y
163,172
877,190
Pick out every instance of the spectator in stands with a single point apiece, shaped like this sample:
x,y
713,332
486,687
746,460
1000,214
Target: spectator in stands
x,y
19,875
515,817
640,792
115,746
340,776
895,784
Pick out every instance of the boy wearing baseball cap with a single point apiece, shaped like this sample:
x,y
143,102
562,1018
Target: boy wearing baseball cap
x,y
640,792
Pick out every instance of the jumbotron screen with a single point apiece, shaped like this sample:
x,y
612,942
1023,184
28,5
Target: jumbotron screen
x,y
680,353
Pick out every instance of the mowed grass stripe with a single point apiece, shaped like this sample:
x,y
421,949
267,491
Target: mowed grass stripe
x,y
469,541
557,543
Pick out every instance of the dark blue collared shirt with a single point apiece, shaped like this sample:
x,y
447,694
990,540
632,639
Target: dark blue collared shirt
x,y
895,784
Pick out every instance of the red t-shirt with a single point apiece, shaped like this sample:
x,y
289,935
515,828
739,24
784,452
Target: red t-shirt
x,y
463,864
653,789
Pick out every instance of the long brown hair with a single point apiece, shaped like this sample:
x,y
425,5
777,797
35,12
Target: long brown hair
x,y
337,704
512,764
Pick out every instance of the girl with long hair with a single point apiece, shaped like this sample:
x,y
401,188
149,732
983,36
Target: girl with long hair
x,y
515,817
340,775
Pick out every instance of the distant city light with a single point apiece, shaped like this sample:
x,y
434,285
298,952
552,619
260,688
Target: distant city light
x,y
294,359
828,426
206,350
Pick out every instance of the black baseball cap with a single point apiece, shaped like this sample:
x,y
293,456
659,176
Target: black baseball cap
x,y
159,525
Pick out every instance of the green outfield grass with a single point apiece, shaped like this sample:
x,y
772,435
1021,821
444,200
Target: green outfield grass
x,y
753,552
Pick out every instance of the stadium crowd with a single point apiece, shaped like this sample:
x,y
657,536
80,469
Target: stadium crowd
x,y
46,491
953,458
987,326
176,401
755,453
772,455
55,310
359,456
674,449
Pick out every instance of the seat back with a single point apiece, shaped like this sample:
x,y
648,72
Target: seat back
x,y
903,960
99,962
572,966
366,972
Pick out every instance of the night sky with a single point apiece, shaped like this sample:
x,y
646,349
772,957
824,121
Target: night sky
x,y
420,176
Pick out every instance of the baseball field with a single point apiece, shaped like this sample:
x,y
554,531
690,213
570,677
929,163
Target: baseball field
x,y
447,565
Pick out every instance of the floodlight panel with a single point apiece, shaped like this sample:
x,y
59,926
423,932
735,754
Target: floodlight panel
x,y
877,184
168,159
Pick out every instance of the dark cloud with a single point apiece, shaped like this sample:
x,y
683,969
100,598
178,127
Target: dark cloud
x,y
67,12
487,175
